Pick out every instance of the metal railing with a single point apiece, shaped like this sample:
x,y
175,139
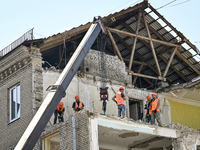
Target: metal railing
x,y
27,36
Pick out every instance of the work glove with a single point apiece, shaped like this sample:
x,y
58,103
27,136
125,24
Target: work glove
x,y
155,111
78,109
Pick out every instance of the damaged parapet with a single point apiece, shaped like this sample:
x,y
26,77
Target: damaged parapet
x,y
114,68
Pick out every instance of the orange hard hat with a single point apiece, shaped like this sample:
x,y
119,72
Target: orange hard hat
x,y
60,104
148,97
154,94
76,97
121,88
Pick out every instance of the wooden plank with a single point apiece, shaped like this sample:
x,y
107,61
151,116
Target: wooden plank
x,y
137,76
134,43
146,76
114,45
169,62
141,37
151,44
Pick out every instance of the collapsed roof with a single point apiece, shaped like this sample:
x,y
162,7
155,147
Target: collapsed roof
x,y
149,45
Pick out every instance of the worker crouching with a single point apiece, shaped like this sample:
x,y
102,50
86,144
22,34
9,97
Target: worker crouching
x,y
120,100
60,110
155,109
77,105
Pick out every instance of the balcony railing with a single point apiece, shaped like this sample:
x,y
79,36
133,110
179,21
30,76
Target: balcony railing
x,y
27,36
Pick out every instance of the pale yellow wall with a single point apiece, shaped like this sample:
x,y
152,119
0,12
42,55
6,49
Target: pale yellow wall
x,y
185,114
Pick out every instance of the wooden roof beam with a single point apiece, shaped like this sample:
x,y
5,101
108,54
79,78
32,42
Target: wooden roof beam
x,y
151,45
134,43
141,37
173,28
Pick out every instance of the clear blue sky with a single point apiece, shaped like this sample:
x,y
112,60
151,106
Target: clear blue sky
x,y
51,17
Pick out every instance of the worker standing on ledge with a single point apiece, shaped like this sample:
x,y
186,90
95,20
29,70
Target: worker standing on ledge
x,y
120,100
155,109
60,110
148,108
77,105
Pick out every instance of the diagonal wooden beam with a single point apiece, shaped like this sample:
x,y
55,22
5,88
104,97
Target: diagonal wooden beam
x,y
115,46
142,37
151,44
134,43
169,62
173,28
166,61
187,62
137,76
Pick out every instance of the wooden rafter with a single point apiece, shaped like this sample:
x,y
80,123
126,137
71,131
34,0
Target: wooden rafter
x,y
174,29
151,44
115,46
169,62
134,43
137,76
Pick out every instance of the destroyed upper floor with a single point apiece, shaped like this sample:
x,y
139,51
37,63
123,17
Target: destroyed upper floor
x,y
152,49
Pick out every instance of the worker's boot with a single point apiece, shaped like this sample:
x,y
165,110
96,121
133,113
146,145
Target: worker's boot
x,y
123,116
119,115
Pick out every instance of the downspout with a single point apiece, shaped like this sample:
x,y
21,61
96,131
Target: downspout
x,y
74,131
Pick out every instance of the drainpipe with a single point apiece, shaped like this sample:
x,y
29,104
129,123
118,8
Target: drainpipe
x,y
74,131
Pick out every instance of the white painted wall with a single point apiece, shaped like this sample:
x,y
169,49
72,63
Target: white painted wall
x,y
87,92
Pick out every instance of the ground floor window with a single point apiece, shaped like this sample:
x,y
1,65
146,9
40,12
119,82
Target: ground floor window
x,y
52,142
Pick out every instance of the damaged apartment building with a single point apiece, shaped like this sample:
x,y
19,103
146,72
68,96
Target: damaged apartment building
x,y
140,51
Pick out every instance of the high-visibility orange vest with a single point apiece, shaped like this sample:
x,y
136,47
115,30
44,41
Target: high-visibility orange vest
x,y
120,100
80,105
60,108
149,108
155,105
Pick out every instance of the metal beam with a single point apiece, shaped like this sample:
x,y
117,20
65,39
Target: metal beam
x,y
151,44
42,116
141,37
134,43
114,45
169,62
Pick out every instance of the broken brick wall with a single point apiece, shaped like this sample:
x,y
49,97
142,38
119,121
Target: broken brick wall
x,y
112,67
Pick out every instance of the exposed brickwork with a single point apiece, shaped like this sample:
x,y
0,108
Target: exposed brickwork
x,y
82,132
17,67
115,69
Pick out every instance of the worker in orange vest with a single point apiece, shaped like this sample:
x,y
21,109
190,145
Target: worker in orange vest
x,y
155,109
77,105
120,100
60,110
148,109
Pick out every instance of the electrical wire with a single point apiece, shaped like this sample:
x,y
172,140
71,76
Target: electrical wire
x,y
166,4
180,3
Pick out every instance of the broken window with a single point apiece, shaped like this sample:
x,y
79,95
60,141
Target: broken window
x,y
14,102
